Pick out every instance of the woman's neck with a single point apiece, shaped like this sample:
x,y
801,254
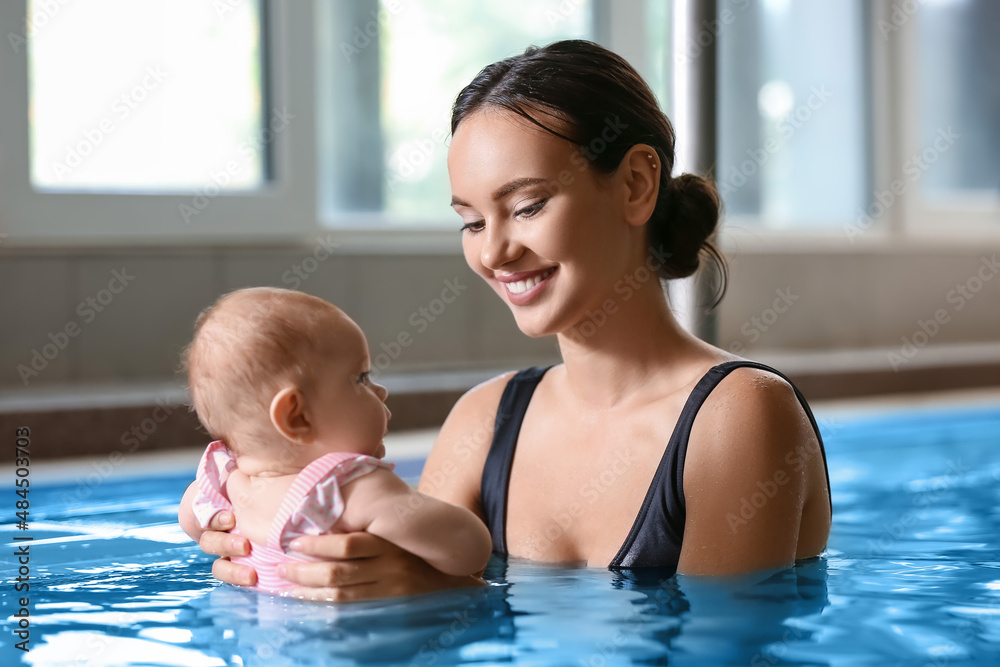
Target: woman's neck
x,y
617,356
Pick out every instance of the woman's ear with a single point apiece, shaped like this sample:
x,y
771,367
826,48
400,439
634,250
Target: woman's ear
x,y
288,414
641,171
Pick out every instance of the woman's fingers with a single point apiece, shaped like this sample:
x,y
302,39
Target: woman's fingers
x,y
328,574
361,566
222,521
223,544
352,561
347,594
344,546
381,590
229,572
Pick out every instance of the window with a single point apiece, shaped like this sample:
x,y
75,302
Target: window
x,y
464,37
275,120
157,96
792,116
165,121
403,63
951,146
183,121
959,62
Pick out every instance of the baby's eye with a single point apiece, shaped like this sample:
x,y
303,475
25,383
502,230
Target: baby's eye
x,y
364,378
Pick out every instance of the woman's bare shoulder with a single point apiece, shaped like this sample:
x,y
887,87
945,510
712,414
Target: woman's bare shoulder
x,y
744,445
453,470
750,402
484,397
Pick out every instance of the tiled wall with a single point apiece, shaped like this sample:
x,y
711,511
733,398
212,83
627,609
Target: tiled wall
x,y
838,300
139,333
864,300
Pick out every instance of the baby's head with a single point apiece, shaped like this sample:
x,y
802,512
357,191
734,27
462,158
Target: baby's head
x,y
282,377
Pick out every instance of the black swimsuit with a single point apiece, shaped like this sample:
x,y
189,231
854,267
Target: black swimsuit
x,y
656,536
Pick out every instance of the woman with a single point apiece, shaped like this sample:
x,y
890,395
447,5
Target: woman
x,y
646,446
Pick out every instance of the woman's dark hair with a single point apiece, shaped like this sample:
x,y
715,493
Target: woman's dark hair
x,y
608,109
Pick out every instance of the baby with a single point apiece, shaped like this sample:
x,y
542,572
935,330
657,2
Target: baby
x,y
281,381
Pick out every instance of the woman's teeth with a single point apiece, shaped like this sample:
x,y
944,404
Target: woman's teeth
x,y
525,285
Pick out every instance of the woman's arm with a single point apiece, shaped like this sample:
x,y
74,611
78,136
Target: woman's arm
x,y
744,487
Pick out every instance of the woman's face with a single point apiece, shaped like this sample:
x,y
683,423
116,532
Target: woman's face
x,y
540,226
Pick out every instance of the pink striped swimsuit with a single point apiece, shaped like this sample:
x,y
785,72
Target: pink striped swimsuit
x,y
311,507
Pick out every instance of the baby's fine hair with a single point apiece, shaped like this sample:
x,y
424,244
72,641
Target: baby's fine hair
x,y
245,346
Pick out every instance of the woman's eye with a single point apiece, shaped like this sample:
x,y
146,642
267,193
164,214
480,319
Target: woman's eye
x,y
364,377
473,227
530,211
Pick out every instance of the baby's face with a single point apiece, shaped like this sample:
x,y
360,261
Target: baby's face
x,y
348,409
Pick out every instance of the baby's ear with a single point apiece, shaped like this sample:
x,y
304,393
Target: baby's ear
x,y
288,415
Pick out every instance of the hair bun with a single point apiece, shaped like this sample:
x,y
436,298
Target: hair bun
x,y
684,223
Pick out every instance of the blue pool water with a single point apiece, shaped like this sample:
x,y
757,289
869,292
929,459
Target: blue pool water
x,y
911,577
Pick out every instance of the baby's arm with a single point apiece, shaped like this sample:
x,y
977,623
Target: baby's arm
x,y
449,537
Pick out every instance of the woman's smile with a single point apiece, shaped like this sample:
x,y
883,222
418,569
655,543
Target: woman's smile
x,y
524,287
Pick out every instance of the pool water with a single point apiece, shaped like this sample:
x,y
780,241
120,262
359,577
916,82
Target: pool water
x,y
911,577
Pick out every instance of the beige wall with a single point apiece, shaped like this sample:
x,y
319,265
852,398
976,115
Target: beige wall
x,y
863,299
867,299
139,333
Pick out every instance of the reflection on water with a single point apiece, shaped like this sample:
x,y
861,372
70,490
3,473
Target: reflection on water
x,y
432,629
910,578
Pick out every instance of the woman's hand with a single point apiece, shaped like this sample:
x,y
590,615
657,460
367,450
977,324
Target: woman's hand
x,y
358,566
216,541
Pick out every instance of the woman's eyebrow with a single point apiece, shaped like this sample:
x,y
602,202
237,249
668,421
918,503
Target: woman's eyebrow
x,y
505,189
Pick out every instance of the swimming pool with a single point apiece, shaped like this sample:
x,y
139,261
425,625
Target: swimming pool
x,y
911,577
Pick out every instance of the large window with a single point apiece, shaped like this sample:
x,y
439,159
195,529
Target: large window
x,y
428,56
383,161
959,95
793,144
185,121
145,96
946,169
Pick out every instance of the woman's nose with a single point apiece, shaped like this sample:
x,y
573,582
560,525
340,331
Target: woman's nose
x,y
498,248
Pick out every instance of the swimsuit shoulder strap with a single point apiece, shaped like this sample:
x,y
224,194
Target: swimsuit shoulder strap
x,y
496,471
656,535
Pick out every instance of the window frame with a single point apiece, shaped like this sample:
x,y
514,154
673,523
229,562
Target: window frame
x,y
968,215
282,210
